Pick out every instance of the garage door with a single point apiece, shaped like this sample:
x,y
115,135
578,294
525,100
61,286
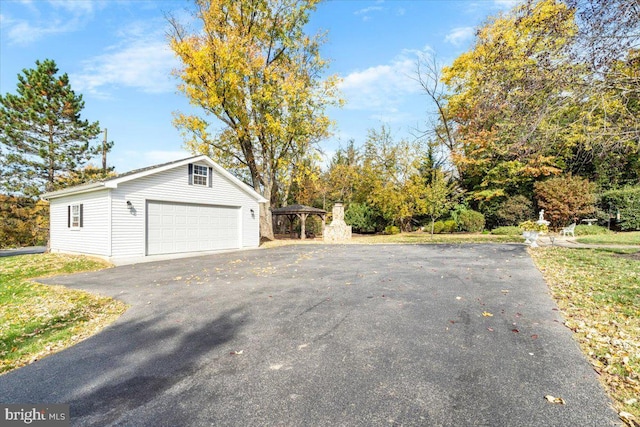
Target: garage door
x,y
180,227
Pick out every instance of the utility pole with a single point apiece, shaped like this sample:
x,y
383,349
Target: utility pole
x,y
105,149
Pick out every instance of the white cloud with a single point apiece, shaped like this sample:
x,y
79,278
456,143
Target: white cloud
x,y
22,32
505,4
366,12
76,6
381,88
460,35
142,60
47,19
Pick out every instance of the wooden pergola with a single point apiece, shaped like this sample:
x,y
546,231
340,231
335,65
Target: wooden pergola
x,y
302,212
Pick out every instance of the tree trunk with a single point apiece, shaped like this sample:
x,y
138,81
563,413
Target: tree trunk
x,y
266,220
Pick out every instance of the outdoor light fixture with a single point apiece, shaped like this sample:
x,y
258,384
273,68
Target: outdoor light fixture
x,y
129,204
253,214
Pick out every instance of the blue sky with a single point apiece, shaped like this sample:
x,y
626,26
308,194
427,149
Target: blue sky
x,y
117,57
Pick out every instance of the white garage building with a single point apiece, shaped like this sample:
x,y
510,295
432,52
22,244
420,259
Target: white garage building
x,y
181,208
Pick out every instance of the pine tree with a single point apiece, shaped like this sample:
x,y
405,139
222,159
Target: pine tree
x,y
41,133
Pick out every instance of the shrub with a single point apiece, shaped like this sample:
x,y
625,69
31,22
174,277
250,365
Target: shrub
x,y
23,221
511,230
590,230
626,202
565,199
534,226
438,226
361,217
391,229
449,226
457,211
514,210
470,220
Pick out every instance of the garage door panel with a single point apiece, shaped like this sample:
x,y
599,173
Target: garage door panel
x,y
176,228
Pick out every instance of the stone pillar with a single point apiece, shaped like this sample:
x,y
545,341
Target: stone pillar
x,y
338,230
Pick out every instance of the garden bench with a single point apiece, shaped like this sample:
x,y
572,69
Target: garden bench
x,y
568,230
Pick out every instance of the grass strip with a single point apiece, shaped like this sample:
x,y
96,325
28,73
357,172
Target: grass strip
x,y
37,320
598,292
626,238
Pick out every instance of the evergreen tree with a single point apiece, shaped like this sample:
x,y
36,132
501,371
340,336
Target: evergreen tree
x,y
41,134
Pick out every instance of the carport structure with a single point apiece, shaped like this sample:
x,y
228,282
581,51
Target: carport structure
x,y
302,212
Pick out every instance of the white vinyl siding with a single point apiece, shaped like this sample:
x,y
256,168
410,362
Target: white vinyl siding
x,y
93,236
129,225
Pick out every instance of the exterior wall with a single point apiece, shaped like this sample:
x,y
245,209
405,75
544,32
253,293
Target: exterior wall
x,y
128,225
93,237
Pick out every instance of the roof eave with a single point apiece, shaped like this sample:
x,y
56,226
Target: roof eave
x,y
75,190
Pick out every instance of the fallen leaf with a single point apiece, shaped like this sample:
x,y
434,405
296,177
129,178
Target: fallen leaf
x,y
553,399
237,352
505,291
490,329
487,314
515,330
627,417
534,336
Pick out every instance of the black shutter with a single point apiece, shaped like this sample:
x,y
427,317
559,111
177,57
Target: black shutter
x,y
68,216
190,173
81,215
210,177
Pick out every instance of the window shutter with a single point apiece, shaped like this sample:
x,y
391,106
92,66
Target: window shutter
x,y
190,173
210,177
81,215
68,216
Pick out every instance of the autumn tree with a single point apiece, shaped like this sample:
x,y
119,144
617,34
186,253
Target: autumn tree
x,y
24,221
437,196
506,97
41,133
256,75
391,178
565,199
342,180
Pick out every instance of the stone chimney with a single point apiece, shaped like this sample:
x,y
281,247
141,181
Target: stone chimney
x,y
338,230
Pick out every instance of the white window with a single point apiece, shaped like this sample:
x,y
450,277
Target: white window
x,y
200,175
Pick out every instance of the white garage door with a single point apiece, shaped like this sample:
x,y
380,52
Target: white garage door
x,y
180,227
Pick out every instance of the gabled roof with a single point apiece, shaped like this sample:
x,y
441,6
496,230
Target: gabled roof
x,y
139,173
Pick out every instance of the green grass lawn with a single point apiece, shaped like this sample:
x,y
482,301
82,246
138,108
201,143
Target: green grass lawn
x,y
626,238
35,319
598,292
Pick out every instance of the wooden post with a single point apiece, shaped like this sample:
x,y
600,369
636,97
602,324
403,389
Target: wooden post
x,y
303,220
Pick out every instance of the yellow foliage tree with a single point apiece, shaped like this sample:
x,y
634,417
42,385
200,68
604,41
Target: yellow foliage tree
x,y
249,65
391,178
507,96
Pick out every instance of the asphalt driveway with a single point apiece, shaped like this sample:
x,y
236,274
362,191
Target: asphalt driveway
x,y
443,335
